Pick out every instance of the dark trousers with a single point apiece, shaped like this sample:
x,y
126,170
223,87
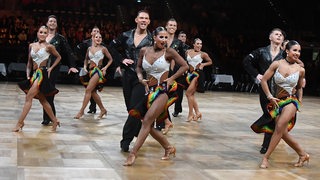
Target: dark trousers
x,y
53,78
133,92
178,103
93,105
265,117
163,124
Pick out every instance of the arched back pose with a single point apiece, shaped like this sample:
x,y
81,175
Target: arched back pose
x,y
38,86
288,76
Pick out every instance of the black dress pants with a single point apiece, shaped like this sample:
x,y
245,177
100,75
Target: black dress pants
x,y
93,105
133,92
178,103
53,78
265,117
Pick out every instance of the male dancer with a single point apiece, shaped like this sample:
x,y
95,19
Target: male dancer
x,y
68,58
182,36
131,42
256,63
176,44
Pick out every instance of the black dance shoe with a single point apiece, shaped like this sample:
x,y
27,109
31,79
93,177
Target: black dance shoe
x,y
45,122
263,150
124,146
175,114
92,111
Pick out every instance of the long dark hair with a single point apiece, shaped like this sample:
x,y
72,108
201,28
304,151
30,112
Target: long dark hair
x,y
157,30
288,47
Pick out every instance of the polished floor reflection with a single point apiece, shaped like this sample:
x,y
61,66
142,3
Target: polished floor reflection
x,y
220,146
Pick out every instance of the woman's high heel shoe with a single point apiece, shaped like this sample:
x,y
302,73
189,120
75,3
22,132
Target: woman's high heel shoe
x,y
130,160
18,127
302,159
264,164
54,126
190,118
102,113
78,116
167,128
170,150
198,117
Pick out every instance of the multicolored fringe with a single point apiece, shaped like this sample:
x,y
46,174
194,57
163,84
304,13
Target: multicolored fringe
x,y
152,96
191,76
282,103
85,79
38,74
97,70
274,112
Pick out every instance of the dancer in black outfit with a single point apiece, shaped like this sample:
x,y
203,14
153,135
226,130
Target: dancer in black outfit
x,y
131,42
182,36
256,63
177,45
68,58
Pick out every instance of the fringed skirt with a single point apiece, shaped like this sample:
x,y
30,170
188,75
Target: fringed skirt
x,y
44,84
141,108
269,126
85,78
199,74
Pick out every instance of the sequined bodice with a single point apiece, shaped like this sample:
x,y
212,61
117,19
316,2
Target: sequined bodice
x,y
156,69
39,56
96,57
195,60
287,83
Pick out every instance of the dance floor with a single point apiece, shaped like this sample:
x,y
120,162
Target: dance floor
x,y
220,146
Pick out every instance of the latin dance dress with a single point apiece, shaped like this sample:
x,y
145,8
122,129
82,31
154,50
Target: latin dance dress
x,y
156,73
285,86
195,72
40,74
93,69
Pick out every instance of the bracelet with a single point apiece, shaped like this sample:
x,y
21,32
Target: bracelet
x,y
269,96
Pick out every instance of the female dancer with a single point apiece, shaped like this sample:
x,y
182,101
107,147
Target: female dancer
x,y
94,58
288,76
38,86
155,60
195,58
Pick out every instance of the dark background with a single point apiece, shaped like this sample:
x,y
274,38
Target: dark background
x,y
230,29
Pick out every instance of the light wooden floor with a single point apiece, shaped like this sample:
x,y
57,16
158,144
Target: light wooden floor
x,y
220,146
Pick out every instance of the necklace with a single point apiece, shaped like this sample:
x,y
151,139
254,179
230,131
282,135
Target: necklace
x,y
289,61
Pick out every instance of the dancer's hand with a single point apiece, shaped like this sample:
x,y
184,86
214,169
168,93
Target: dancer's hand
x,y
74,70
169,82
127,62
274,101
